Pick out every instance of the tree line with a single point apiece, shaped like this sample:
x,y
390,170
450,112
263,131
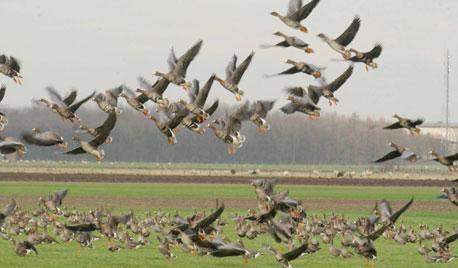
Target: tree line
x,y
333,139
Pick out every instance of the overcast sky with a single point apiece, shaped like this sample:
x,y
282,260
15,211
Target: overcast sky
x,y
95,45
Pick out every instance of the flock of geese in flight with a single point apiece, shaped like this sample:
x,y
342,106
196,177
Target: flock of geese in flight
x,y
278,215
201,234
169,116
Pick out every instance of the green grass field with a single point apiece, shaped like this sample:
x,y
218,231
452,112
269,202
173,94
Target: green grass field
x,y
64,255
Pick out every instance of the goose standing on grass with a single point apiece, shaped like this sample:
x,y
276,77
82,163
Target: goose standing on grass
x,y
339,44
234,74
399,152
411,126
258,113
451,194
297,13
11,67
291,41
134,101
301,67
168,127
3,119
107,126
179,67
44,138
445,160
153,92
108,100
228,130
368,57
66,110
198,97
92,147
327,90
300,101
24,248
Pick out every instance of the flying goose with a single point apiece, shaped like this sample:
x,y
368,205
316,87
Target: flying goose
x,y
92,146
54,202
3,119
179,66
368,57
291,41
327,90
300,101
153,92
66,100
108,100
339,44
189,121
107,126
445,160
232,250
133,101
301,67
12,146
198,97
297,13
168,127
11,67
284,258
364,245
399,152
234,74
67,109
411,126
384,211
44,138
192,122
258,113
228,129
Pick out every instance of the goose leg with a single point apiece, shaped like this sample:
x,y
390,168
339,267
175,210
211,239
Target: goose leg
x,y
245,259
79,250
309,50
238,97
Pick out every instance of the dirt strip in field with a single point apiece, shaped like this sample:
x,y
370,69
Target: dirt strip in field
x,y
119,178
234,203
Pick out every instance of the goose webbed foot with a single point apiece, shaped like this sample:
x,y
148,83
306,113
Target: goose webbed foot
x,y
309,50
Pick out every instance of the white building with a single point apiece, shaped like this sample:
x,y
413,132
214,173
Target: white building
x,y
439,131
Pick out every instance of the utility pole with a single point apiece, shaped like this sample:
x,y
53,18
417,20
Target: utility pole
x,y
447,102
